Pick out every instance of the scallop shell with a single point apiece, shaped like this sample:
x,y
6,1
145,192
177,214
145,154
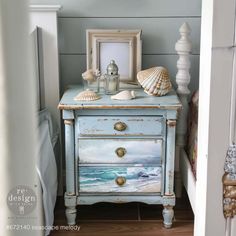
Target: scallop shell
x,y
124,95
87,95
88,75
155,81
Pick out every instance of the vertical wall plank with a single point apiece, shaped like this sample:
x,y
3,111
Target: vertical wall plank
x,y
225,39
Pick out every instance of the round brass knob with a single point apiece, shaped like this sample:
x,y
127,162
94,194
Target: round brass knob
x,y
120,152
120,126
120,180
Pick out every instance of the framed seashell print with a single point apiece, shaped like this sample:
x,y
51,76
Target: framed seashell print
x,y
123,46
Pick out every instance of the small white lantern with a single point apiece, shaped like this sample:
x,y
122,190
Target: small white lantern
x,y
111,79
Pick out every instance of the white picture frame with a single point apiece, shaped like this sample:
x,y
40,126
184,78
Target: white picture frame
x,y
123,46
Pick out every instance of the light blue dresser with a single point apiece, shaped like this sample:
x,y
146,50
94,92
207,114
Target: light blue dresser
x,y
120,151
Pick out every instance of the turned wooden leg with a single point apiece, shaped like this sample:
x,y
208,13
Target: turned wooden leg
x,y
71,215
168,214
70,203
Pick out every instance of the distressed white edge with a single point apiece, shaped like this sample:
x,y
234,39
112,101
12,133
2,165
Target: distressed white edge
x,y
45,8
188,179
233,99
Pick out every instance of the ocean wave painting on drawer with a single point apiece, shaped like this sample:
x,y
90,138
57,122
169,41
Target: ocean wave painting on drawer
x,y
142,151
120,179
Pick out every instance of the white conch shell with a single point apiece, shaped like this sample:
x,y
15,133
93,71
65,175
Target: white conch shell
x,y
88,75
124,95
87,95
155,81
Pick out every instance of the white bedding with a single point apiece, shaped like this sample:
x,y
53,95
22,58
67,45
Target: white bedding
x,y
46,166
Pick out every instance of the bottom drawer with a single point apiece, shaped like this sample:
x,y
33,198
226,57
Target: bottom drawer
x,y
120,179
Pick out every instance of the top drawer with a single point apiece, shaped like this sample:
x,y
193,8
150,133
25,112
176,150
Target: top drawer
x,y
120,125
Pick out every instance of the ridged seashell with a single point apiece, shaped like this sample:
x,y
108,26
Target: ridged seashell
x,y
124,95
87,95
155,81
88,75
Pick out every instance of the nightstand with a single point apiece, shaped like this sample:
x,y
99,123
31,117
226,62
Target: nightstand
x,y
120,151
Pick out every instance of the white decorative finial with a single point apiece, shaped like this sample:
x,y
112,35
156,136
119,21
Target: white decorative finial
x,y
183,48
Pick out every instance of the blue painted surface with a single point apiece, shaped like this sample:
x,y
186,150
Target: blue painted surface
x,y
135,126
103,151
170,101
149,141
102,179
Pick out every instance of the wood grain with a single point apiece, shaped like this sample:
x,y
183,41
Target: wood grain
x,y
154,228
142,101
132,219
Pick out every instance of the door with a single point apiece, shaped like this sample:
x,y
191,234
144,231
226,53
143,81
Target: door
x,y
215,115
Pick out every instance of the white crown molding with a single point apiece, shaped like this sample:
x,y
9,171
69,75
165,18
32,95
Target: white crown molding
x,y
45,8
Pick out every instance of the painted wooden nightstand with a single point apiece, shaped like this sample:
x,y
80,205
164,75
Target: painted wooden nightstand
x,y
120,151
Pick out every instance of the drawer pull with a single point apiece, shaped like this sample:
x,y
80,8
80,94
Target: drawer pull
x,y
120,126
120,180
120,152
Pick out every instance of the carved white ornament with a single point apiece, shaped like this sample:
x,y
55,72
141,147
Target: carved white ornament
x,y
183,48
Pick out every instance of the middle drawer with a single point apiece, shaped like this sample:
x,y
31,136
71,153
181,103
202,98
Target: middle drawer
x,y
119,151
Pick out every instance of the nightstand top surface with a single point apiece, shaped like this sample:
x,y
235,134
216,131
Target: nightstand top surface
x,y
142,100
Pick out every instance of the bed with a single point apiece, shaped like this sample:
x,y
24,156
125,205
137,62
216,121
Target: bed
x,y
44,39
46,166
188,165
186,151
48,138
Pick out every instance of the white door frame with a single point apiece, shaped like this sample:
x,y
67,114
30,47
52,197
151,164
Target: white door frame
x,y
216,67
18,141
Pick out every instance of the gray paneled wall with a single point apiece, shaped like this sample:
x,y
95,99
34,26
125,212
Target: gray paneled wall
x,y
158,19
